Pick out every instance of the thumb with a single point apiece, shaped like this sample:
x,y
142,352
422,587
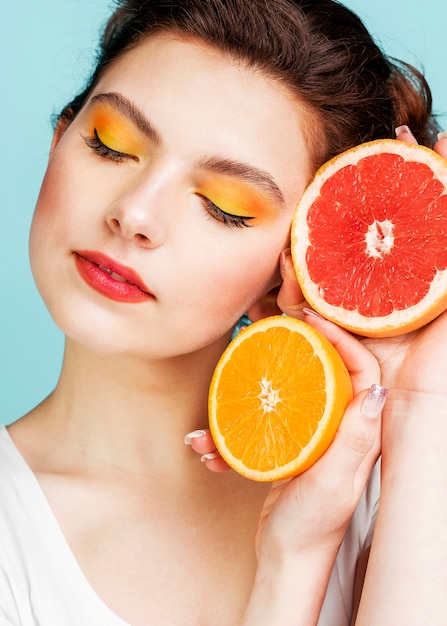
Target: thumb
x,y
356,446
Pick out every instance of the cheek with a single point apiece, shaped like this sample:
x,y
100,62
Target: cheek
x,y
58,204
45,214
237,280
261,271
42,218
50,226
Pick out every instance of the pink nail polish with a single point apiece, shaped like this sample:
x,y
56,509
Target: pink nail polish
x,y
312,313
374,402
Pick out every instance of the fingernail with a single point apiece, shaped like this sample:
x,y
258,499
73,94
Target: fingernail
x,y
374,402
402,129
312,313
442,135
282,261
194,435
209,456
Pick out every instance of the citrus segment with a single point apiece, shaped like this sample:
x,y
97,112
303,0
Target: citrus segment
x,y
369,238
276,398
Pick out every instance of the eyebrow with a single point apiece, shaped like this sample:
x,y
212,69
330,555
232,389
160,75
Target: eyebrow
x,y
248,173
220,165
130,110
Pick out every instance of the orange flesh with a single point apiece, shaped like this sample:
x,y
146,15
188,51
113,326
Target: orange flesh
x,y
267,438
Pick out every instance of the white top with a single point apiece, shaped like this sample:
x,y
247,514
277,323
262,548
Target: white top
x,y
41,583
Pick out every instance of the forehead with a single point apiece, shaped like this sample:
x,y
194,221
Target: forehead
x,y
227,108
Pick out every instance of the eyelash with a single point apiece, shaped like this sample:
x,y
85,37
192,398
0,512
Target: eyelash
x,y
104,151
228,219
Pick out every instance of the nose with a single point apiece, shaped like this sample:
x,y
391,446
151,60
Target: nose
x,y
140,215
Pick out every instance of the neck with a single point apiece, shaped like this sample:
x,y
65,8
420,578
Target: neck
x,y
125,412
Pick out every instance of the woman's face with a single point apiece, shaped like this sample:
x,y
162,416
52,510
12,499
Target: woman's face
x,y
167,201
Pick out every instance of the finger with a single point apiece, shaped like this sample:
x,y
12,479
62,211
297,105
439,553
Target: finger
x,y
361,363
356,446
403,133
214,462
441,145
290,298
202,442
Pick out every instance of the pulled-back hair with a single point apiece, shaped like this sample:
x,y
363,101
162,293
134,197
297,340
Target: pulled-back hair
x,y
318,48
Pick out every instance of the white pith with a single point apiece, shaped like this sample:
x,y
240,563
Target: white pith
x,y
379,238
269,397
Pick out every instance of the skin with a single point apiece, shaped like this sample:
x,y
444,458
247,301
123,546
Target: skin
x,y
109,439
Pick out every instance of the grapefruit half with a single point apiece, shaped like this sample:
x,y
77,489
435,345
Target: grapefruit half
x,y
369,238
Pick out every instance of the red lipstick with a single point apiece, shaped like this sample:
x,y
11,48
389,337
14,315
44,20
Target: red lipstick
x,y
109,278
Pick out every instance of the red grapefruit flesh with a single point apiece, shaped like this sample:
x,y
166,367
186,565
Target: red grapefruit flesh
x,y
369,238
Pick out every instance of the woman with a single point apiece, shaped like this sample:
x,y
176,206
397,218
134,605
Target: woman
x,y
162,219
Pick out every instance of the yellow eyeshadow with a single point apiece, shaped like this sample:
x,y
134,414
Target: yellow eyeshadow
x,y
237,199
116,133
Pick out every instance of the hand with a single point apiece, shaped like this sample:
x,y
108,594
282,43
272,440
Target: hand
x,y
320,501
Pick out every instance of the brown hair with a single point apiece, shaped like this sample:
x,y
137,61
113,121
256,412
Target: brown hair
x,y
318,48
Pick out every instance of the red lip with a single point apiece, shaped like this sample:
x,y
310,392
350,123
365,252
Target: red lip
x,y
111,279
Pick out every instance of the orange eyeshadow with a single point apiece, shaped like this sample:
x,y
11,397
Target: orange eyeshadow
x,y
237,199
116,132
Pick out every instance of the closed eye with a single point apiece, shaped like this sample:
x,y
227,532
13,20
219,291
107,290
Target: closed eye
x,y
228,219
104,151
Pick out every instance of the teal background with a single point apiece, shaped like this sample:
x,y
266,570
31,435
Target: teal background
x,y
46,50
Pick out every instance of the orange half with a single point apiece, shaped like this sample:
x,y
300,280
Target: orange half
x,y
276,399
